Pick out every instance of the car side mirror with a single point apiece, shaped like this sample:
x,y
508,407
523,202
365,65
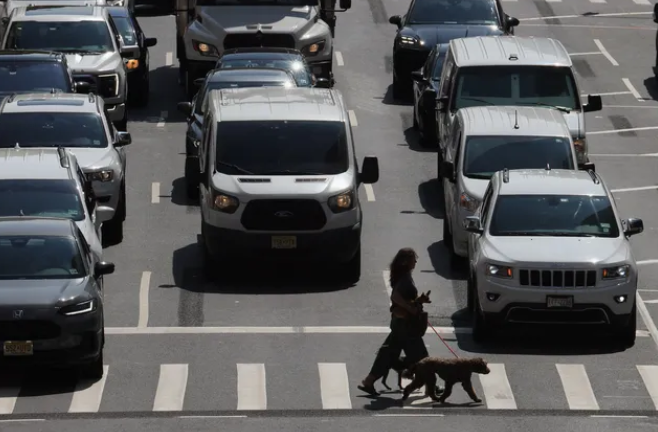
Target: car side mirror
x,y
123,139
594,103
472,224
199,82
447,171
417,76
396,20
322,83
512,22
150,42
185,108
103,268
429,98
369,170
345,4
633,226
587,166
104,213
81,87
443,104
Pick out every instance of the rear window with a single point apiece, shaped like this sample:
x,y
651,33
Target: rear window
x,y
37,257
45,198
75,130
24,76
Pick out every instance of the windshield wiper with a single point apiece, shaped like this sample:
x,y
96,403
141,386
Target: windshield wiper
x,y
557,107
235,167
292,172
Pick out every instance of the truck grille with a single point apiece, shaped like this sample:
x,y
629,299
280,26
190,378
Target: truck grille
x,y
105,86
284,215
241,40
28,330
558,278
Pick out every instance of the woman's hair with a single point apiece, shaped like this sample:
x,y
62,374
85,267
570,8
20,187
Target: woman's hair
x,y
401,264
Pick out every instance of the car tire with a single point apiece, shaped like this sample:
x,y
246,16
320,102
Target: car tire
x,y
481,329
353,267
447,235
94,370
627,333
192,178
416,125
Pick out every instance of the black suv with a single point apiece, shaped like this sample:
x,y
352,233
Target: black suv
x,y
24,71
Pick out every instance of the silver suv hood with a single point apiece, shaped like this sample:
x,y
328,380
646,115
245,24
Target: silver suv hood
x,y
92,63
38,293
246,19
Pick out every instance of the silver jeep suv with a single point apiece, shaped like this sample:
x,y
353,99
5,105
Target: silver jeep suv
x,y
549,246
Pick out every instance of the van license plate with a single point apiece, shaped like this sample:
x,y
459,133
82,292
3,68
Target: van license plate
x,y
284,242
18,348
559,302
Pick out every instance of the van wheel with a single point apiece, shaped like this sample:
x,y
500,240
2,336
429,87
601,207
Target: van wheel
x,y
94,370
353,267
627,333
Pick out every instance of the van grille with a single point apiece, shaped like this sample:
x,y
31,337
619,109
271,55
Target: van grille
x,y
241,40
558,278
284,215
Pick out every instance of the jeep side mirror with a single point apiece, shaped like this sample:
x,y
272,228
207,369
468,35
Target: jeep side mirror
x,y
633,226
81,87
185,108
594,103
396,20
322,83
417,76
472,224
512,22
369,170
123,139
345,4
447,171
443,104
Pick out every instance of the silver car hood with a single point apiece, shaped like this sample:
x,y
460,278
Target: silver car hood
x,y
93,158
37,293
94,63
246,19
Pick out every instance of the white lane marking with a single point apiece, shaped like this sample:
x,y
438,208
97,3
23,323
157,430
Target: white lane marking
x,y
583,16
553,1
632,89
162,119
651,301
339,58
617,416
21,420
649,375
352,116
646,262
8,396
496,387
169,59
625,155
87,398
597,1
387,285
642,2
416,415
616,93
614,131
635,189
252,391
334,386
370,193
212,417
144,285
170,394
586,53
646,317
605,52
577,387
630,106
155,193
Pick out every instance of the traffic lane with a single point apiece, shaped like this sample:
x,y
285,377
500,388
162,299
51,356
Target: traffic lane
x,y
603,143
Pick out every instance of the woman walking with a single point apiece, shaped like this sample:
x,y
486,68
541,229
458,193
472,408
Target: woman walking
x,y
404,326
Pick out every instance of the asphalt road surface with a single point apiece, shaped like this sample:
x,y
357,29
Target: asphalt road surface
x,y
271,351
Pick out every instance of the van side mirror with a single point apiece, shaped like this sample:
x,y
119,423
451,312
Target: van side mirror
x,y
81,87
512,22
447,171
345,4
123,139
472,224
369,170
633,226
442,106
594,103
396,20
185,108
104,213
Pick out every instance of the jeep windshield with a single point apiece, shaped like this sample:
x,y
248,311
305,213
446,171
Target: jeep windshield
x,y
37,129
81,37
43,198
40,257
293,3
28,76
553,216
282,147
482,12
516,85
484,155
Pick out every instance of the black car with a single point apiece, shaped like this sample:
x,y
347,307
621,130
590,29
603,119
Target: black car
x,y
425,89
431,22
137,58
288,59
214,80
23,71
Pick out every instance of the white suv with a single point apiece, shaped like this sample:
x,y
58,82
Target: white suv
x,y
548,246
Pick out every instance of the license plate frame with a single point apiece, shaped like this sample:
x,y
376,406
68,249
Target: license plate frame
x,y
11,348
561,302
284,242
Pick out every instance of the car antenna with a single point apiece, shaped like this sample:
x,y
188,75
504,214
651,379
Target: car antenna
x,y
516,119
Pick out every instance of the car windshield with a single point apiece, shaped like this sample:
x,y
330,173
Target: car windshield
x,y
297,68
554,216
51,129
282,148
25,76
46,198
454,12
484,155
39,257
516,85
126,30
297,3
85,37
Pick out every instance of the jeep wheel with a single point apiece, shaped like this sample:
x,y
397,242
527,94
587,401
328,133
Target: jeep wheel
x,y
628,332
94,370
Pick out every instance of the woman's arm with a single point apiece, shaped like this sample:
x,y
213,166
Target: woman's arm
x,y
398,300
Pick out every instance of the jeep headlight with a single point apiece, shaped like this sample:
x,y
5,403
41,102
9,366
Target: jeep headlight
x,y
499,271
410,41
468,202
617,272
341,202
314,48
101,175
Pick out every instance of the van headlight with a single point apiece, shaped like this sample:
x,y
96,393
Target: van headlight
x,y
224,203
79,308
341,202
499,271
617,272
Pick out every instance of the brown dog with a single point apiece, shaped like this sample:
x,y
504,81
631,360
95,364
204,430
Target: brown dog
x,y
452,371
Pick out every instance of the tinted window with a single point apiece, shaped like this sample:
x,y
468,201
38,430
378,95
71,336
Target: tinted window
x,y
554,216
34,257
454,12
70,36
274,147
484,155
297,68
46,198
257,2
25,76
52,130
126,30
521,85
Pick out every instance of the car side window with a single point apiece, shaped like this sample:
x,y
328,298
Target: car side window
x,y
484,211
125,30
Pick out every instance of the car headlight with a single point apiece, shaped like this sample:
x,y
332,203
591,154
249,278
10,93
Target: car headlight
x,y
314,48
468,203
101,176
410,41
205,49
617,272
224,203
341,202
79,309
499,271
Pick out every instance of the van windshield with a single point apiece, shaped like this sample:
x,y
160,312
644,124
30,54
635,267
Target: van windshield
x,y
484,155
516,85
282,148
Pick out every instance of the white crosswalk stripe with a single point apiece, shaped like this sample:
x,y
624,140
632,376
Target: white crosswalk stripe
x,y
87,395
649,375
8,397
334,386
577,387
497,389
170,393
252,389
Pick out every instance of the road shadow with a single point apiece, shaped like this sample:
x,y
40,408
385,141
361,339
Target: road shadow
x,y
430,194
162,78
652,87
445,264
388,98
252,276
42,381
179,192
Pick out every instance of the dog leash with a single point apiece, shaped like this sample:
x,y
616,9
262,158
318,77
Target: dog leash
x,y
443,340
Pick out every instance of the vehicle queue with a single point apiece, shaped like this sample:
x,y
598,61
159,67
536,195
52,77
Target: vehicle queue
x,y
271,157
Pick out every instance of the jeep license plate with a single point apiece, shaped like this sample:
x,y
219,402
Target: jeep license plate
x,y
559,302
284,242
12,349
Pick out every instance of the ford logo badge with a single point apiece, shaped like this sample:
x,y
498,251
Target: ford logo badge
x,y
283,214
